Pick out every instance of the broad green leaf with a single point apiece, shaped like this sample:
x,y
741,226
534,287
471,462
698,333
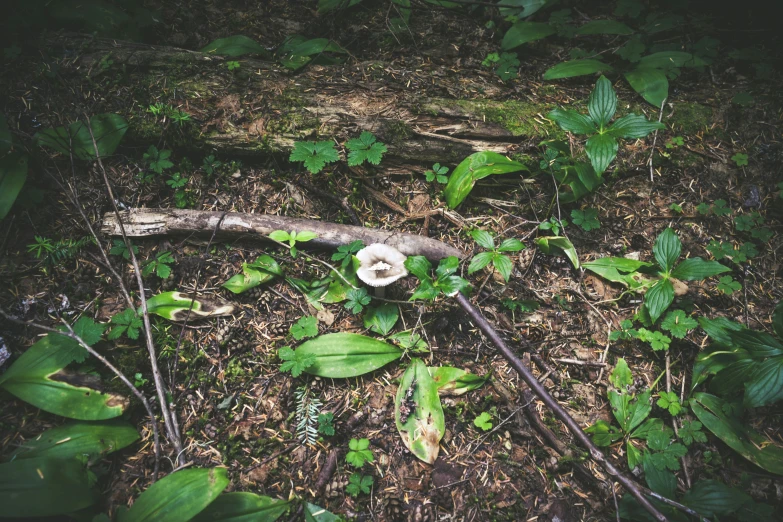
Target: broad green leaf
x,y
731,376
604,27
174,306
511,245
418,413
572,121
455,381
634,126
603,433
78,439
634,455
610,265
549,244
13,174
483,238
678,323
662,481
658,298
479,261
315,513
651,84
763,452
710,498
39,378
242,507
297,51
503,265
476,166
237,45
44,487
621,375
108,130
695,268
523,32
601,149
602,103
576,68
315,155
419,266
381,319
179,496
758,344
766,383
341,355
667,249
647,427
670,59
260,271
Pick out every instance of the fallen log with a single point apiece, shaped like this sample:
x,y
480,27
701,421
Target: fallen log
x,y
143,222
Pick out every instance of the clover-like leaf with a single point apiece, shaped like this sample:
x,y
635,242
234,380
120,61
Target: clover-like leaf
x,y
365,148
678,323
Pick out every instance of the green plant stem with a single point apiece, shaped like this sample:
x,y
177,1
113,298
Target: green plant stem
x,y
538,388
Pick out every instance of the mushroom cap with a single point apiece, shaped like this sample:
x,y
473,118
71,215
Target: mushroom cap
x,y
381,264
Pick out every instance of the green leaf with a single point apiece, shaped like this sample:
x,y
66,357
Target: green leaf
x,y
315,513
766,383
740,159
551,244
418,266
603,433
604,27
511,245
483,421
657,340
39,377
381,319
621,375
237,45
670,60
260,271
359,453
601,149
483,238
306,326
669,401
296,51
477,166
77,439
341,355
572,121
659,480
356,299
658,298
573,68
365,148
44,487
174,306
127,322
587,219
242,507
523,32
179,496
667,249
13,174
602,103
651,84
480,261
418,413
695,268
678,324
294,362
634,126
455,381
711,411
690,431
108,130
503,265
711,498
88,330
314,155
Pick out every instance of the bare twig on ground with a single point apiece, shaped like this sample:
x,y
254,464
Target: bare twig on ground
x,y
70,333
655,139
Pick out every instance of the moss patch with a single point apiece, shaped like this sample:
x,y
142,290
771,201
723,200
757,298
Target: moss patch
x,y
691,118
519,118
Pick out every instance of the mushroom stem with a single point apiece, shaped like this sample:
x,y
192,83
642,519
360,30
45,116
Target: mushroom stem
x,y
380,291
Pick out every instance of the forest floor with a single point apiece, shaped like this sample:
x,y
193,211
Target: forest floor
x,y
237,409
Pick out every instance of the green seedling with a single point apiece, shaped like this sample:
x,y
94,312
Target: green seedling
x,y
727,285
359,453
314,154
553,225
159,265
128,323
587,219
483,421
305,327
502,263
356,299
365,148
295,362
437,173
358,483
292,238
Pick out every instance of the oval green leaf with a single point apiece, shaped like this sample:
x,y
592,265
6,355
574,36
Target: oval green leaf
x,y
455,381
523,32
554,244
572,121
108,130
602,150
670,59
341,355
242,507
78,439
651,84
174,306
238,45
634,126
476,166
418,413
261,271
179,496
573,68
658,298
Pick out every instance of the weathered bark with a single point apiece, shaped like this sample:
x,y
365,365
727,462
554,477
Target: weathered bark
x,y
262,109
150,222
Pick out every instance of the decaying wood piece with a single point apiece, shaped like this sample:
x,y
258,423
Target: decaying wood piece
x,y
142,222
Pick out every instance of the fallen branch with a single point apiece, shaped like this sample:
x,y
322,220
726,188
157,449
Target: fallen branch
x,y
559,412
143,222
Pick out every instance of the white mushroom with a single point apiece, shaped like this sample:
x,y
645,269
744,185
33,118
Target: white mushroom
x,y
380,266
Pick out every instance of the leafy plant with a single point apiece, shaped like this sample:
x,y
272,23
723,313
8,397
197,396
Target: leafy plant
x,y
587,219
557,245
601,146
304,327
356,299
260,271
669,401
359,453
341,355
177,181
675,141
445,281
358,483
159,265
210,164
418,413
176,306
365,148
437,173
128,323
740,159
495,255
295,362
108,130
345,253
157,160
307,416
473,168
41,247
719,208
553,224
314,154
483,421
381,319
678,324
579,176
506,65
232,65
727,285
297,51
293,238
237,45
119,249
139,380
326,424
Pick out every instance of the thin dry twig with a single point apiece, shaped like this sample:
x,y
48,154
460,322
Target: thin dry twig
x,y
655,139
